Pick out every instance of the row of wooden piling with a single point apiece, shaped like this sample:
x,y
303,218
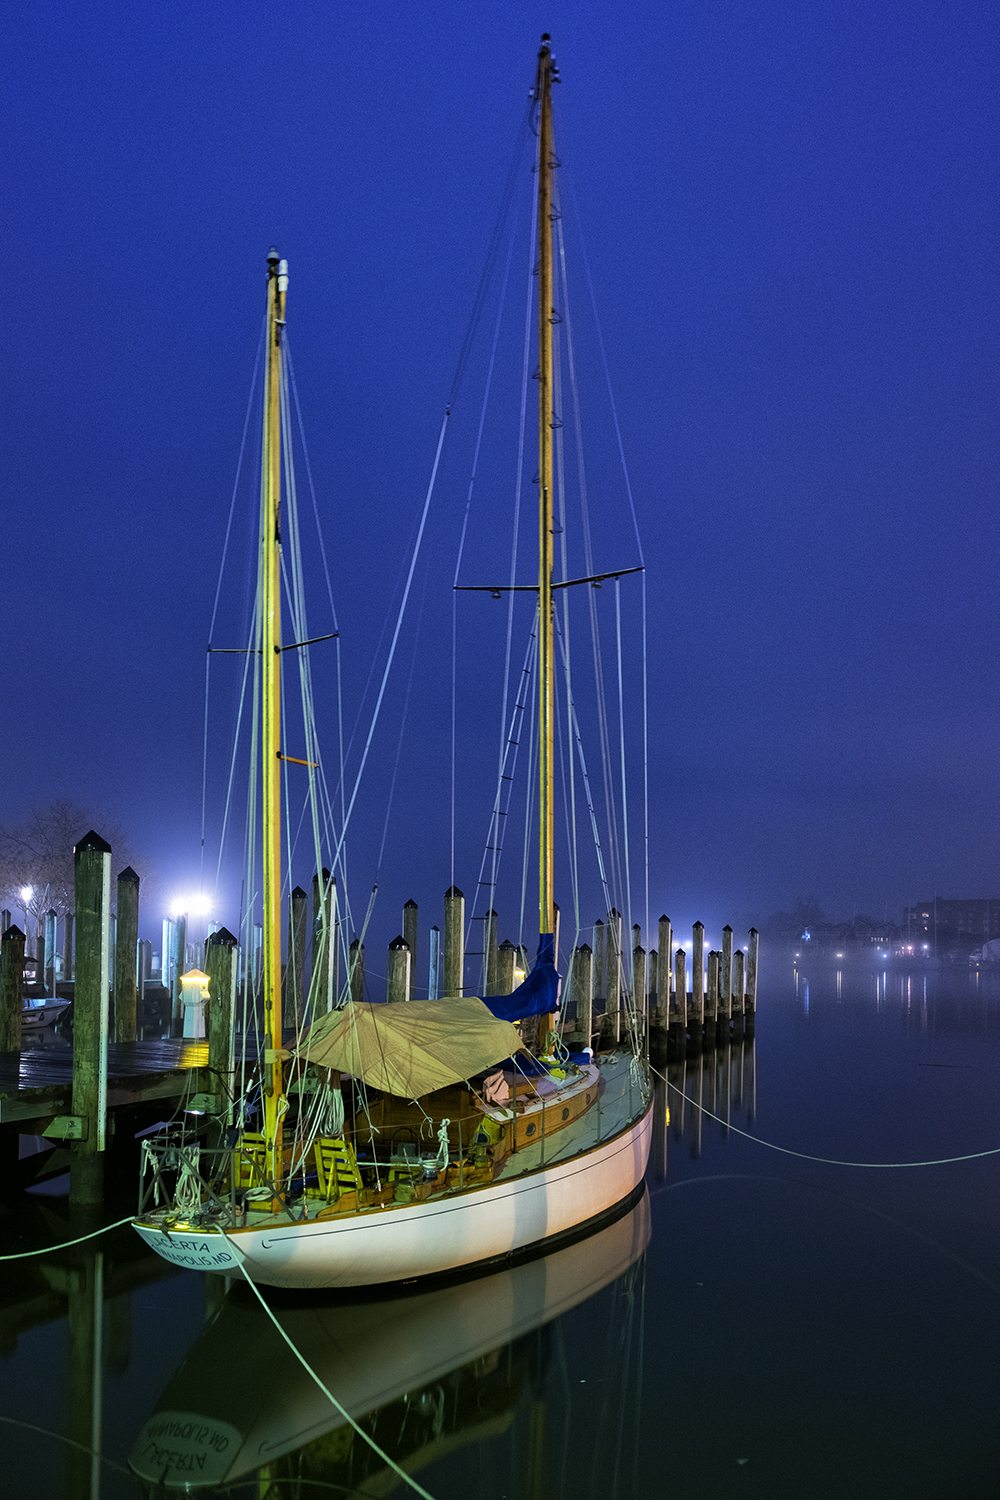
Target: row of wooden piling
x,y
606,988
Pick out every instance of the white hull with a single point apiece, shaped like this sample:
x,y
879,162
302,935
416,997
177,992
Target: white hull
x,y
399,1243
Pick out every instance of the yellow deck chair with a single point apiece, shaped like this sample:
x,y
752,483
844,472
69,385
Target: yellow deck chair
x,y
336,1167
249,1161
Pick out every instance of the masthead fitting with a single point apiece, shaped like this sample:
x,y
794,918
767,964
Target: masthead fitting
x,y
272,255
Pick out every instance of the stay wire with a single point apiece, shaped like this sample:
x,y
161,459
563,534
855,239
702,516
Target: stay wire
x,y
462,539
638,536
395,635
218,591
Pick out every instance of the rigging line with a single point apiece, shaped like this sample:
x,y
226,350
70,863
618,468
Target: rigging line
x,y
462,538
236,481
293,576
607,378
516,526
389,1462
519,467
402,728
621,738
507,771
645,764
603,728
293,388
395,634
595,831
218,591
827,1161
492,253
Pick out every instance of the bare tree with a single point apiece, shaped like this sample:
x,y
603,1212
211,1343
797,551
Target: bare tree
x,y
36,856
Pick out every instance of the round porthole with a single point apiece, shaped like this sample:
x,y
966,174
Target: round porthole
x,y
588,1098
530,1130
566,1114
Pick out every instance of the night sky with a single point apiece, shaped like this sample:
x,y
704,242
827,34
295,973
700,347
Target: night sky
x,y
790,214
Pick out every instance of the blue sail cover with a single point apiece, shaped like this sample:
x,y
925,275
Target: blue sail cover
x,y
538,995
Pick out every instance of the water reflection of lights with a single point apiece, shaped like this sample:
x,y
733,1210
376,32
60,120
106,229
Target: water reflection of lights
x,y
805,997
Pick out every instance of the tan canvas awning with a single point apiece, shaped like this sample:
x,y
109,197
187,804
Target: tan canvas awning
x,y
410,1048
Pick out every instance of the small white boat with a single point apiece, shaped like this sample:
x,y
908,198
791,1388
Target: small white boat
x,y
44,1010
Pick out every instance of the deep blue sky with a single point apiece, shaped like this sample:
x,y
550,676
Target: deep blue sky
x,y
791,216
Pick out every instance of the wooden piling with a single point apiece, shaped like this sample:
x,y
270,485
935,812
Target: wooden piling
x,y
92,881
613,983
639,987
491,951
434,965
144,968
126,944
11,988
68,924
738,1000
506,954
398,983
180,964
356,964
678,1019
663,971
49,971
599,946
221,967
410,927
583,992
295,969
713,1012
750,1004
726,975
323,979
454,941
698,971
84,1285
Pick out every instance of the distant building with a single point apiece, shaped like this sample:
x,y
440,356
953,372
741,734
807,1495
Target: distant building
x,y
976,920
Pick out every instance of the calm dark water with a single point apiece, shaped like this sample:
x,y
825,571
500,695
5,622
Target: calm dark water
x,y
794,1329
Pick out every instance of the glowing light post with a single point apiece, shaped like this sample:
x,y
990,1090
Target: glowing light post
x,y
26,893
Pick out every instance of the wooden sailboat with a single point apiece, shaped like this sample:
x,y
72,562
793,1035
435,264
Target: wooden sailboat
x,y
432,1155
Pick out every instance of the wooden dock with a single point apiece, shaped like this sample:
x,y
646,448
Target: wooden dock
x,y
36,1084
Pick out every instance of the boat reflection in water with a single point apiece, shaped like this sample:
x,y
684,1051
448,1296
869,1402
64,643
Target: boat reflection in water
x,y
428,1370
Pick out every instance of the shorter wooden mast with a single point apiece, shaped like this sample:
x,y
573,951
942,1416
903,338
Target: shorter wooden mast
x,y
546,783
270,603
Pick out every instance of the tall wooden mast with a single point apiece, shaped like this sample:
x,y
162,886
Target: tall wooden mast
x,y
270,603
546,418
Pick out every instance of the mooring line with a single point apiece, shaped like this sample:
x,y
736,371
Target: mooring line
x,y
407,1478
65,1244
829,1161
70,1443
